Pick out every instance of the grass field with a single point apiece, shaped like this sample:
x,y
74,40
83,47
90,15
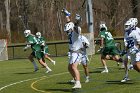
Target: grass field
x,y
17,76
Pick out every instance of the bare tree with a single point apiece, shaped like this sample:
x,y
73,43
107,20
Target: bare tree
x,y
1,21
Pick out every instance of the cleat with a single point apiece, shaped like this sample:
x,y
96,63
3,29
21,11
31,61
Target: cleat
x,y
125,79
87,80
53,62
118,63
130,67
36,69
105,71
48,71
72,81
77,86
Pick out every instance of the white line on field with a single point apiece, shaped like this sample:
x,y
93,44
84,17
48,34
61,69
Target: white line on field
x,y
30,80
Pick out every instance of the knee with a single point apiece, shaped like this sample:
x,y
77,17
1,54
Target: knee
x,y
74,67
69,67
119,60
136,68
46,56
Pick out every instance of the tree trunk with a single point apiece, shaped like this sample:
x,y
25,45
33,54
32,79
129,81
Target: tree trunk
x,y
1,21
43,21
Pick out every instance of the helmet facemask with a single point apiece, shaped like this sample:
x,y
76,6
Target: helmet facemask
x,y
27,33
103,27
69,27
129,25
78,19
38,35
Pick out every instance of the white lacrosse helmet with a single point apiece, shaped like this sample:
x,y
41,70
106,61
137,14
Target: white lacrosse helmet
x,y
38,34
135,21
78,17
129,25
27,33
102,25
69,26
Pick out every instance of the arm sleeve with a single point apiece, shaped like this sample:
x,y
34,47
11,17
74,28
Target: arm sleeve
x,y
102,34
125,41
137,36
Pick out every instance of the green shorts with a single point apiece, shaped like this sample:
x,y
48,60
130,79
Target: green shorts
x,y
111,50
39,54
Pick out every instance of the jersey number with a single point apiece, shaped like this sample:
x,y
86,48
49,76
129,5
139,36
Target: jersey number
x,y
109,36
130,43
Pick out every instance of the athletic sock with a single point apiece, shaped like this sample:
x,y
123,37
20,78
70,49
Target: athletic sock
x,y
126,75
35,65
106,68
87,77
78,82
48,68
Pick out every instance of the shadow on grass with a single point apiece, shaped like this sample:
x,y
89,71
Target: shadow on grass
x,y
65,83
25,73
66,90
119,82
95,72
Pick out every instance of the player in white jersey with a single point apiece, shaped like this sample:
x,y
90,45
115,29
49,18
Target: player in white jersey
x,y
132,44
85,59
75,45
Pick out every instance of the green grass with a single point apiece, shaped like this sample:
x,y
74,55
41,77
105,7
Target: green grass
x,y
17,76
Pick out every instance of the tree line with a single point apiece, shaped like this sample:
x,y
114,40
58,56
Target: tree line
x,y
45,16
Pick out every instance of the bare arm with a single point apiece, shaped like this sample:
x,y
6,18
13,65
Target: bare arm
x,y
102,42
68,19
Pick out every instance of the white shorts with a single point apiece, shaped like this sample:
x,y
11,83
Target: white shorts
x,y
134,57
84,59
75,58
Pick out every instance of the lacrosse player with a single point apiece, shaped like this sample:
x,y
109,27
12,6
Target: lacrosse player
x,y
85,59
75,44
36,48
44,47
108,49
132,45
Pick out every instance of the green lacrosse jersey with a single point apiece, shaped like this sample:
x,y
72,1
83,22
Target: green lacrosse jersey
x,y
32,40
41,40
43,45
108,38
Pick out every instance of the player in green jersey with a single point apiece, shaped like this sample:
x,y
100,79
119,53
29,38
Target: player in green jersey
x,y
36,48
108,49
44,47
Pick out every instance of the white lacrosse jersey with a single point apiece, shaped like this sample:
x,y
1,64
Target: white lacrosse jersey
x,y
131,39
74,42
74,45
84,40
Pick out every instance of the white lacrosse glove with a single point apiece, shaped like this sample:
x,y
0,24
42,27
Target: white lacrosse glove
x,y
100,49
26,47
66,12
69,55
